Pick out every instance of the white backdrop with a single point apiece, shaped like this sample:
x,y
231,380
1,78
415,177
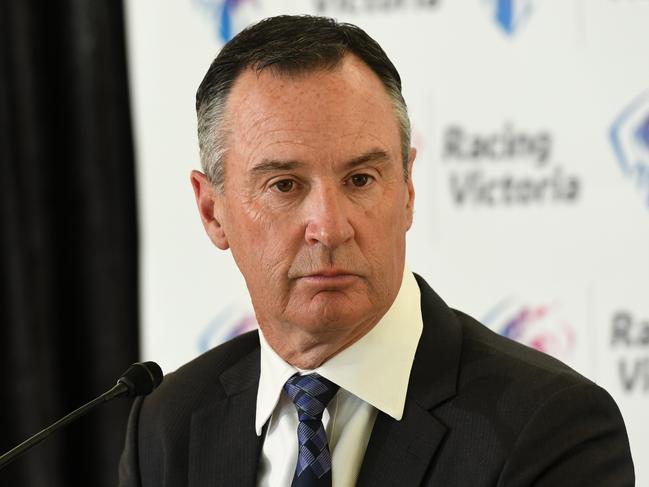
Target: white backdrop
x,y
531,118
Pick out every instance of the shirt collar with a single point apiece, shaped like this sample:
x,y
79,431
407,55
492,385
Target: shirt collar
x,y
356,368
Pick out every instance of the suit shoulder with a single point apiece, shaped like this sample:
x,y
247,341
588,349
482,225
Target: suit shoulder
x,y
532,418
497,353
200,380
516,379
216,360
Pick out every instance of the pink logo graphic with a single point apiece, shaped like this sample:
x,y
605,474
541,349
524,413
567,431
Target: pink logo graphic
x,y
538,326
229,323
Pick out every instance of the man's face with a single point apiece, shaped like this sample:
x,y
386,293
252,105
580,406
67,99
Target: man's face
x,y
315,206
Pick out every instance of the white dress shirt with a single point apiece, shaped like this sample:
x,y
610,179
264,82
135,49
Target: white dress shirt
x,y
373,376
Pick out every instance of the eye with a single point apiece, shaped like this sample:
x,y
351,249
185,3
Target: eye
x,y
284,185
360,180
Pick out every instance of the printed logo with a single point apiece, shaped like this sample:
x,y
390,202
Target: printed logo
x,y
630,338
229,323
629,136
370,6
541,327
510,15
223,14
508,166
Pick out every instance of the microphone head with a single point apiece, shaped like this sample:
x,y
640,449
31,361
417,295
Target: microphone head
x,y
141,378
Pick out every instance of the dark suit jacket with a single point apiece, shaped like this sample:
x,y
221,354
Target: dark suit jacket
x,y
481,410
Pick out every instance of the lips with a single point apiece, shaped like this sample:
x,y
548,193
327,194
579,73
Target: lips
x,y
330,273
330,278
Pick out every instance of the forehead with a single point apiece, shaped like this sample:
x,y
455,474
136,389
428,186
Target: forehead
x,y
329,112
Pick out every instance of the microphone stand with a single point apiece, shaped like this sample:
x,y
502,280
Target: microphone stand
x,y
118,390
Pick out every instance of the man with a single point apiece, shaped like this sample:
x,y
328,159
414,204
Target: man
x,y
360,374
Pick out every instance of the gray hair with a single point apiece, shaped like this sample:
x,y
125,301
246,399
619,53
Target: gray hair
x,y
288,45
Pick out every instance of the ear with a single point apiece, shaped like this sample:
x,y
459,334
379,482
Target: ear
x,y
410,203
210,208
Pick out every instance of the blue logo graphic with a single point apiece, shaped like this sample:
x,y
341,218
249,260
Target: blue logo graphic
x,y
630,139
222,13
511,14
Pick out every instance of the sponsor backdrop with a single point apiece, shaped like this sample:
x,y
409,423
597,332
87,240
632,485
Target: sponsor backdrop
x,y
532,122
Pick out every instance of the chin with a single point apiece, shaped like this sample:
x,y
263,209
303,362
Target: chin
x,y
334,319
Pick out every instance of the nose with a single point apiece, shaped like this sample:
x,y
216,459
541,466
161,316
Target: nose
x,y
327,217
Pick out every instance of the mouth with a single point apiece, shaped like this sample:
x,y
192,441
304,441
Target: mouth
x,y
330,277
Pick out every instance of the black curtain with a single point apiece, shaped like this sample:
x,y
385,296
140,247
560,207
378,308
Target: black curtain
x,y
68,246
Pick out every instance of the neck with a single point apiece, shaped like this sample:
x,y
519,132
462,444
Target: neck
x,y
309,351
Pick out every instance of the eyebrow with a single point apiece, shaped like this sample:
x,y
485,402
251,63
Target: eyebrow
x,y
375,155
272,165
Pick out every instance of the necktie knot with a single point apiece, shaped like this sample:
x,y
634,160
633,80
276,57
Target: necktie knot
x,y
311,393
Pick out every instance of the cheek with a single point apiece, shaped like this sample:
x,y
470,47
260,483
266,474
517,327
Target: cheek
x,y
387,221
265,245
382,236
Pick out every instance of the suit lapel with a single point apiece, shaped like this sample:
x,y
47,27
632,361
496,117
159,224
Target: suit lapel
x,y
400,452
224,448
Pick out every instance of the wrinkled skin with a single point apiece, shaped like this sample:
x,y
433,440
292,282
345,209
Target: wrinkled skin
x,y
315,205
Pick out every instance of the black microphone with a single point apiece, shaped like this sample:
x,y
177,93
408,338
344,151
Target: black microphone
x,y
139,380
